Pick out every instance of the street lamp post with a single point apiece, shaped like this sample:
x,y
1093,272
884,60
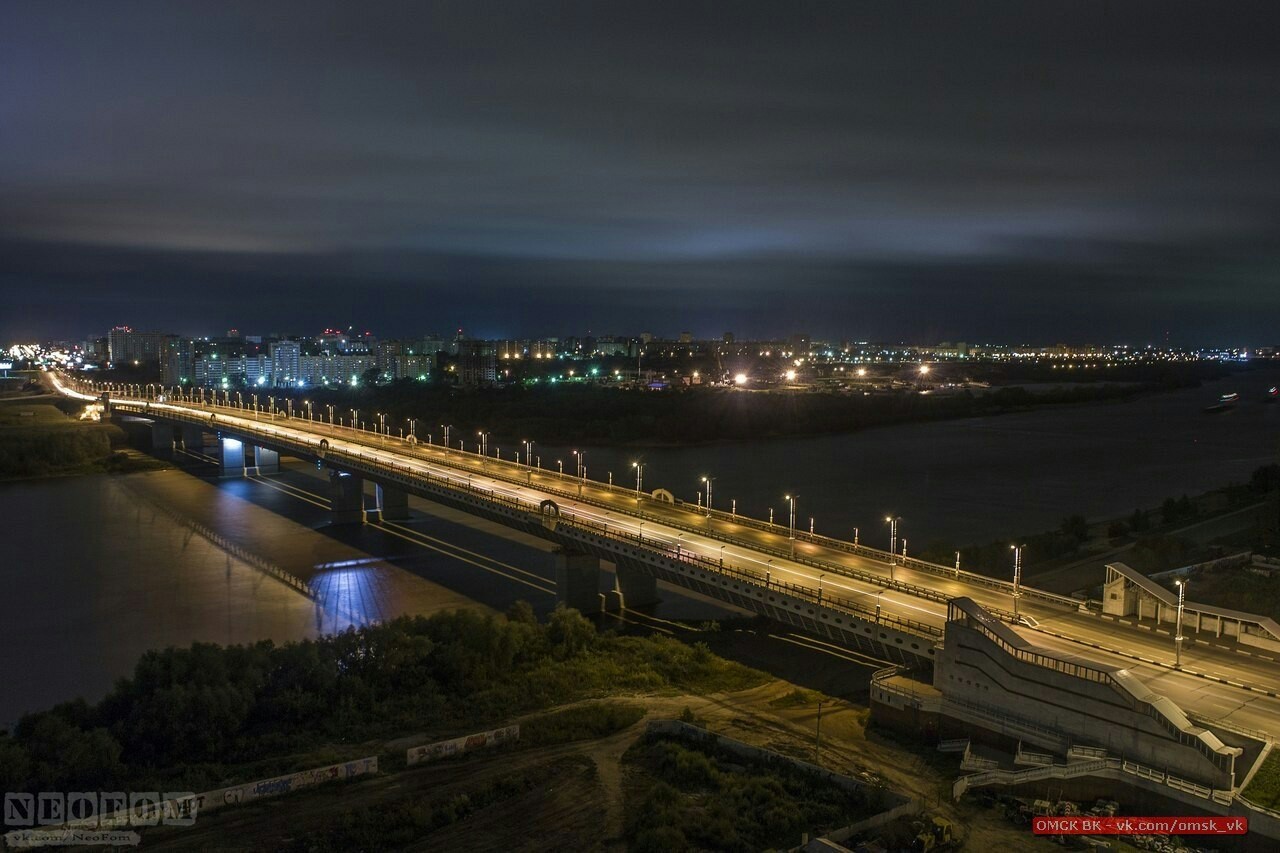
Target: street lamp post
x,y
708,481
1178,638
893,541
1017,575
582,459
560,462
330,408
639,466
355,417
446,427
791,530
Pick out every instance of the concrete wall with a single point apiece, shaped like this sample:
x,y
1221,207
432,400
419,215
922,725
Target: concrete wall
x,y
974,669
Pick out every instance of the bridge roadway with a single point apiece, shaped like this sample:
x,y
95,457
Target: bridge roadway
x,y
1215,682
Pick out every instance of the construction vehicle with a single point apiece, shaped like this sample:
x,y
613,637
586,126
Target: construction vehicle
x,y
935,835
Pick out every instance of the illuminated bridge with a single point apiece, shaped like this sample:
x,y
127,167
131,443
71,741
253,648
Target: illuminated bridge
x,y
899,610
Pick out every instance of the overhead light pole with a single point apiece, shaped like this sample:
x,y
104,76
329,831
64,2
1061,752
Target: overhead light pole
x,y
639,466
1017,575
791,529
1178,638
708,481
892,521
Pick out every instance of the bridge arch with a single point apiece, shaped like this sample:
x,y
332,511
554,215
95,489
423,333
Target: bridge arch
x,y
550,512
664,496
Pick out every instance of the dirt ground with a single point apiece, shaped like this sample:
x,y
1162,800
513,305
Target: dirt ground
x,y
583,809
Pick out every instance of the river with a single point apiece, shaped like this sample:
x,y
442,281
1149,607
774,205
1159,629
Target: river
x,y
976,479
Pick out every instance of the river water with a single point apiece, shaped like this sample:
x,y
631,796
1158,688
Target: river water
x,y
976,479
100,569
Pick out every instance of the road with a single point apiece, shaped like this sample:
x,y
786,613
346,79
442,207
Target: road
x,y
826,565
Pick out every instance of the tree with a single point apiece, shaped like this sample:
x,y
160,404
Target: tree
x,y
569,631
1075,527
521,613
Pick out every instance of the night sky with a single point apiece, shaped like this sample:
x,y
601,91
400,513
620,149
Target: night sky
x,y
1037,171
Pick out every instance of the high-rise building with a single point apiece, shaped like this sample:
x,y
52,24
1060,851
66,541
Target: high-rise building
x,y
286,368
477,363
125,346
177,360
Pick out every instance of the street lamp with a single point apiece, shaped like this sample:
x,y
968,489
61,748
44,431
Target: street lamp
x,y
330,408
1017,575
708,481
483,448
446,428
791,499
560,462
1178,638
311,415
892,521
582,458
639,466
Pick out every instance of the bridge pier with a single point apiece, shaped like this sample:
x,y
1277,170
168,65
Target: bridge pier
x,y
232,456
346,498
265,460
193,439
578,581
393,504
632,587
162,440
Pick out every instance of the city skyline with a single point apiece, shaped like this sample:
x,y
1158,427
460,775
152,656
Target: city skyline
x,y
1098,173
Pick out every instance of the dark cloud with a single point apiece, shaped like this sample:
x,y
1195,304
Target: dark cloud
x,y
1078,171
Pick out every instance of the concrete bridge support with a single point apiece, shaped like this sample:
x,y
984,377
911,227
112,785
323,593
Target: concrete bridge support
x,y
266,461
162,440
578,581
193,439
393,504
232,456
346,498
632,587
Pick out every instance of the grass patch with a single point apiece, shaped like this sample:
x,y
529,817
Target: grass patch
x,y
1264,788
395,824
798,698
697,796
581,722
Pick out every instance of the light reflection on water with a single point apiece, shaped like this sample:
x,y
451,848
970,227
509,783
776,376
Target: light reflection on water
x,y
348,597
